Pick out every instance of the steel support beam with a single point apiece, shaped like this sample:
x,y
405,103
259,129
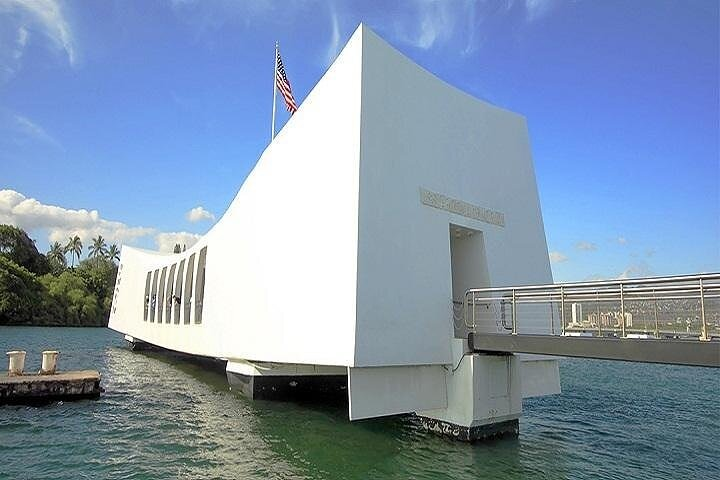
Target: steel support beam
x,y
670,351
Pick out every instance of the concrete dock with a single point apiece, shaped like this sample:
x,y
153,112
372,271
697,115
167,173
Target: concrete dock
x,y
30,389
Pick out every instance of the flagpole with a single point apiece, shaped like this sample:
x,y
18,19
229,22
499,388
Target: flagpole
x,y
272,134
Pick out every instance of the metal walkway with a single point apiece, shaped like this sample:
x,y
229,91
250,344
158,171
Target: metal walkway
x,y
674,320
677,352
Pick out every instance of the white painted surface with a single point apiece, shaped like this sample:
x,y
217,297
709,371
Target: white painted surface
x,y
539,377
49,362
16,362
379,391
638,335
419,132
269,369
281,263
468,259
329,257
483,389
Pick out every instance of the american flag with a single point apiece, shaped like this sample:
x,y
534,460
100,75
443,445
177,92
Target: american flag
x,y
283,84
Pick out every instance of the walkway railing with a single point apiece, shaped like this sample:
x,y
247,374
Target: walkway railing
x,y
661,307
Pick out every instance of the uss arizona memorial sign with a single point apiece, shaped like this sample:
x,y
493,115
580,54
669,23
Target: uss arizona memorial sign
x,y
452,205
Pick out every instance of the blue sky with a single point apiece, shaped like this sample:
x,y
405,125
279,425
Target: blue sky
x,y
122,117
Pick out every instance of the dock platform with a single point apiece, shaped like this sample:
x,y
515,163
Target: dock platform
x,y
33,389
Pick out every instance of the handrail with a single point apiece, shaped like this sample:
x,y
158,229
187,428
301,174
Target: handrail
x,y
593,283
628,293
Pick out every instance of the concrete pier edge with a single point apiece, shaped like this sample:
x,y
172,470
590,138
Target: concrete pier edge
x,y
39,389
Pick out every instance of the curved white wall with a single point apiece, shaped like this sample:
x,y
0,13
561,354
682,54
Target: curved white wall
x,y
327,255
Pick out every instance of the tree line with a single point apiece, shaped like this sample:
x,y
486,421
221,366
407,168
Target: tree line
x,y
41,289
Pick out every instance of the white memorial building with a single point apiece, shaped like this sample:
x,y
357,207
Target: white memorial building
x,y
384,197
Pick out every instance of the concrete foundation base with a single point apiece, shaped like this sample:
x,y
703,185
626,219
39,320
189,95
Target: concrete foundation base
x,y
484,398
470,434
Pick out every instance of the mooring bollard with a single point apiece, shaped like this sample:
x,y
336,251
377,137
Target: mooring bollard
x,y
17,362
49,362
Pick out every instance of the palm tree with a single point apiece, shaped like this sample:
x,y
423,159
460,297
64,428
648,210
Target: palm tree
x,y
113,253
56,254
98,248
74,247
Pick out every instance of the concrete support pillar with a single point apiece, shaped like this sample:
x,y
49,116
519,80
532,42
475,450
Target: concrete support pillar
x,y
484,399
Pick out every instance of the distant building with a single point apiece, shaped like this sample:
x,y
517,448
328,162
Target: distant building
x,y
604,319
577,314
618,319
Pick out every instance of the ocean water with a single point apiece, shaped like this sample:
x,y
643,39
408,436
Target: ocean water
x,y
164,418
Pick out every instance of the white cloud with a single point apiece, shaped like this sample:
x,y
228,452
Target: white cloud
x,y
537,9
594,278
22,38
166,241
334,46
198,214
586,246
557,257
12,48
622,240
206,17
424,24
635,270
19,18
26,127
60,223
433,22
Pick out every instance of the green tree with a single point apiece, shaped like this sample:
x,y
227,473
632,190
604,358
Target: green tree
x,y
75,303
74,248
113,253
177,248
98,247
80,296
99,275
56,257
16,246
20,293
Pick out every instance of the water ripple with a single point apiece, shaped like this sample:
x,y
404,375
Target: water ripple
x,y
160,418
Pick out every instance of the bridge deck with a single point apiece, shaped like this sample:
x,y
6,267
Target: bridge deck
x,y
679,352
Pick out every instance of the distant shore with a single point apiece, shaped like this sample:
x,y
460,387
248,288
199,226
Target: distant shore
x,y
41,289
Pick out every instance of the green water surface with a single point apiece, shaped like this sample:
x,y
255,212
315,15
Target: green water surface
x,y
163,418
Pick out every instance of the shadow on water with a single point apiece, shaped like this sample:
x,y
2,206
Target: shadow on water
x,y
210,372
